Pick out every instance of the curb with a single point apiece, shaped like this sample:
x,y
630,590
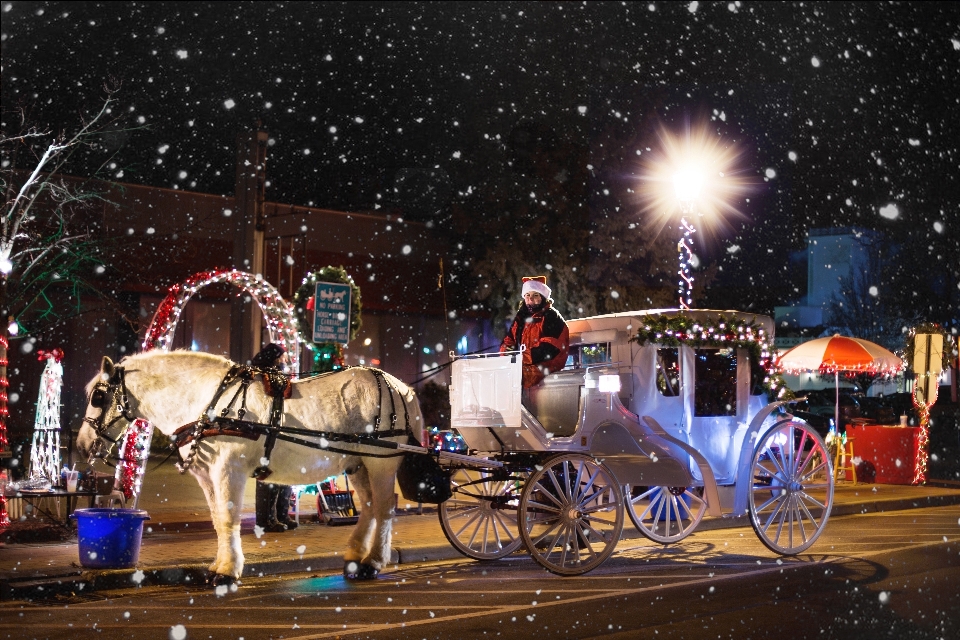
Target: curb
x,y
82,581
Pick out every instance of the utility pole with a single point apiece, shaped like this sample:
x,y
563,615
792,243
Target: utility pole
x,y
246,323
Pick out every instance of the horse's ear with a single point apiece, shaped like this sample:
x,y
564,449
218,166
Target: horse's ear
x,y
106,368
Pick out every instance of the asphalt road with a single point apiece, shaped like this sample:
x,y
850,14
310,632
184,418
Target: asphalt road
x,y
878,575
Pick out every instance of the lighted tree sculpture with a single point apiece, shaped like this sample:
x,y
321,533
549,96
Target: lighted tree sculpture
x,y
45,452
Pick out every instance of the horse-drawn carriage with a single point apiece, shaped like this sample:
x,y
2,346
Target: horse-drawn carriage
x,y
662,415
659,415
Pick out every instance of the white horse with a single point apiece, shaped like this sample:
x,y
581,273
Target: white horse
x,y
176,388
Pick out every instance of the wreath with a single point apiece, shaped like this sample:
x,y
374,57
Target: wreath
x,y
949,347
303,308
723,332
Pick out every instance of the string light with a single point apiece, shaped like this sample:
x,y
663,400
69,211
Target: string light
x,y
923,439
685,247
4,415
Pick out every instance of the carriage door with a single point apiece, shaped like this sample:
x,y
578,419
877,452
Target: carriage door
x,y
719,406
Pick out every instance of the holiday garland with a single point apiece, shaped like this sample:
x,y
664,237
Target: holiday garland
x,y
722,332
327,356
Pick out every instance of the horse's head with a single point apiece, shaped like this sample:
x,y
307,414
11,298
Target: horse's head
x,y
108,410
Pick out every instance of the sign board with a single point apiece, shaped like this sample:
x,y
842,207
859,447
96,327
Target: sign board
x,y
927,362
331,313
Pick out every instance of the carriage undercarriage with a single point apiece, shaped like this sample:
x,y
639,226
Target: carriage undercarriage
x,y
567,510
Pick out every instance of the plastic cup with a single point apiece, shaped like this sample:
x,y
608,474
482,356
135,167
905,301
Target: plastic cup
x,y
72,477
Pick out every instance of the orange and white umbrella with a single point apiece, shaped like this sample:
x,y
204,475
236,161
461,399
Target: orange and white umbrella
x,y
838,353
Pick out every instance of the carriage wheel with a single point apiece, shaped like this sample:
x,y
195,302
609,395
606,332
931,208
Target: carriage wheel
x,y
571,514
480,519
792,492
665,514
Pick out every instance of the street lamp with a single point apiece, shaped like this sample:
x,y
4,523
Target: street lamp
x,y
692,175
687,184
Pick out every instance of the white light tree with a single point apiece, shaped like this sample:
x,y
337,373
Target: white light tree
x,y
45,452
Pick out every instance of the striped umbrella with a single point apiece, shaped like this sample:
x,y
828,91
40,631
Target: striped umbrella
x,y
838,353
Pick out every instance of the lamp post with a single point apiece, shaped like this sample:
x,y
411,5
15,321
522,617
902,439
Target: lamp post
x,y
687,184
693,174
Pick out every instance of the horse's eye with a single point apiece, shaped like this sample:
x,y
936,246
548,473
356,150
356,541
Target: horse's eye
x,y
98,399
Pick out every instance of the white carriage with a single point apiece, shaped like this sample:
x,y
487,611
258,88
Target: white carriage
x,y
663,431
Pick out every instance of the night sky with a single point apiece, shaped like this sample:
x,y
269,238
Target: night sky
x,y
847,112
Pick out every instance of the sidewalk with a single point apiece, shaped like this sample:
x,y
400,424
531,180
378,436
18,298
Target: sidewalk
x,y
179,541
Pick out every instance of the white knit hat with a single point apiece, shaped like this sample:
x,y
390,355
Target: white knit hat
x,y
538,284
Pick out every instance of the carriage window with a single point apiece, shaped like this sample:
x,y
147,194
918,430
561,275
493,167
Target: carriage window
x,y
668,372
584,355
715,393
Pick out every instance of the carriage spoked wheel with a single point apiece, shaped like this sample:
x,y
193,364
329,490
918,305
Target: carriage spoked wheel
x,y
480,519
571,514
665,514
792,491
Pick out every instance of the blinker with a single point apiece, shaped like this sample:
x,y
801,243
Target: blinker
x,y
99,398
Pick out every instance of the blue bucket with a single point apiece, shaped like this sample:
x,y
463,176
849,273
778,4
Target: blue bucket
x,y
109,538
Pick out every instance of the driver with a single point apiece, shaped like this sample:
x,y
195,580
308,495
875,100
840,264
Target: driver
x,y
541,329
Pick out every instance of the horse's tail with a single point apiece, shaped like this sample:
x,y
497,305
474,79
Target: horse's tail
x,y
416,416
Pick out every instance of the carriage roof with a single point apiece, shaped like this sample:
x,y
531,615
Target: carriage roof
x,y
601,328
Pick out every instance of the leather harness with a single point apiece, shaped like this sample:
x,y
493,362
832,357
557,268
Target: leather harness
x,y
279,387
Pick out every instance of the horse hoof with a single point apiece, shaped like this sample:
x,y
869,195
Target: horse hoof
x,y
358,571
220,579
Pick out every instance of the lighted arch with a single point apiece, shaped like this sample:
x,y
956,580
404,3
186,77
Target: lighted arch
x,y
279,314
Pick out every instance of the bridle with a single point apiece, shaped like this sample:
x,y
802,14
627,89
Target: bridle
x,y
107,394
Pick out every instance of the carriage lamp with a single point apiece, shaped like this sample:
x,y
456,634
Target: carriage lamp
x,y
609,384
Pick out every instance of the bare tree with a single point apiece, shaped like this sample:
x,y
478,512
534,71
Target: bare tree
x,y
51,265
48,240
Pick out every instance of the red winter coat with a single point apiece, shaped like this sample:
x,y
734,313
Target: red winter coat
x,y
546,338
